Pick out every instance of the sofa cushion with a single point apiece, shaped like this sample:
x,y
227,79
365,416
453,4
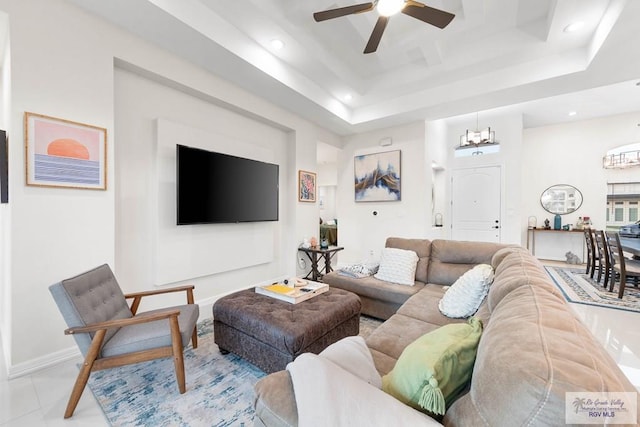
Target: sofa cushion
x,y
518,269
464,297
397,266
372,288
434,369
450,259
389,339
533,351
499,256
422,247
424,306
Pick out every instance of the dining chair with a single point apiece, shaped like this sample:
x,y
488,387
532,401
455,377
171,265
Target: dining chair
x,y
610,260
604,263
110,333
592,255
625,267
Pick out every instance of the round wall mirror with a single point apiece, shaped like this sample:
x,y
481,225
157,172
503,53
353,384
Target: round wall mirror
x,y
561,199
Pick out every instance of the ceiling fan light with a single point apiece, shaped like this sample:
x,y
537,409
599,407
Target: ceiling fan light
x,y
390,7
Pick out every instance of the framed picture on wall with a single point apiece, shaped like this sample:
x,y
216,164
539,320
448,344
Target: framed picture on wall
x,y
377,177
306,186
62,153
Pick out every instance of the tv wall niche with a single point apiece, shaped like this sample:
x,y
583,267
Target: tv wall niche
x,y
185,252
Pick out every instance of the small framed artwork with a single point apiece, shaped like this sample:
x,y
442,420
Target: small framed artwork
x,y
377,177
306,186
62,153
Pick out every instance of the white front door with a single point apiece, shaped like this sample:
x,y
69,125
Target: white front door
x,y
476,204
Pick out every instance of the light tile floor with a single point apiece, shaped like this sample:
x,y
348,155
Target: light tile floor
x,y
39,399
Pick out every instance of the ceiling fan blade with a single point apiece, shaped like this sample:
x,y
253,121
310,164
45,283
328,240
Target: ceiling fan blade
x,y
436,17
342,11
376,35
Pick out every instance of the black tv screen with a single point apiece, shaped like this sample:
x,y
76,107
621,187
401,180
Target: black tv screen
x,y
219,188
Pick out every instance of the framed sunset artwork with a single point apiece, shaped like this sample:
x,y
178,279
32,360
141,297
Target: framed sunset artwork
x,y
62,153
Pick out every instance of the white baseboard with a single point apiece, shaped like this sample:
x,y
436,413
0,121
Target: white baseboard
x,y
43,362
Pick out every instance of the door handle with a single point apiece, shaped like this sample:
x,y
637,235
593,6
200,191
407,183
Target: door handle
x,y
495,226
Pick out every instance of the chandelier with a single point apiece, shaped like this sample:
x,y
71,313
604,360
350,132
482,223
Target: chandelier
x,y
477,138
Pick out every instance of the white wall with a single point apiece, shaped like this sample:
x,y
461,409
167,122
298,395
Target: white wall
x,y
62,65
571,153
57,70
360,232
5,211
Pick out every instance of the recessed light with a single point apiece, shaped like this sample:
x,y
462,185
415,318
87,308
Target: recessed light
x,y
277,44
573,113
348,97
573,27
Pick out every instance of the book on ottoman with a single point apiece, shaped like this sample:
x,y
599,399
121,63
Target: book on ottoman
x,y
293,295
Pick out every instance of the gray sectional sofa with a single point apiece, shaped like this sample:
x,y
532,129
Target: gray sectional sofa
x,y
533,349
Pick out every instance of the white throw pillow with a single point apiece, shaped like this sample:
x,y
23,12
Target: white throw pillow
x,y
464,297
353,355
397,266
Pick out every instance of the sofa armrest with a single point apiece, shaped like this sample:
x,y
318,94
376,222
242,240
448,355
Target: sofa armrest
x,y
275,402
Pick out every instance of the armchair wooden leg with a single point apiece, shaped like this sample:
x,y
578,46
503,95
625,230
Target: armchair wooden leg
x,y
85,371
178,357
194,337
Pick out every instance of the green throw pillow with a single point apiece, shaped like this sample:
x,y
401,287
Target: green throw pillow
x,y
433,369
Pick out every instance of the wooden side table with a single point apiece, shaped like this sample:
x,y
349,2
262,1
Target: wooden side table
x,y
315,254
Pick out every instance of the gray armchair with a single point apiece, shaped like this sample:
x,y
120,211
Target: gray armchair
x,y
109,333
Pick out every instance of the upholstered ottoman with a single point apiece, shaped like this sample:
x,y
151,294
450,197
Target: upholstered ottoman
x,y
271,333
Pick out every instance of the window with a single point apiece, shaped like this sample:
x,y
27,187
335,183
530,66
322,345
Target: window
x,y
633,211
623,203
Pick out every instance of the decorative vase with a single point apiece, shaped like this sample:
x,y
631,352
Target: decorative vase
x,y
557,222
324,244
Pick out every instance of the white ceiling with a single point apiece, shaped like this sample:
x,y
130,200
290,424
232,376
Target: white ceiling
x,y
495,54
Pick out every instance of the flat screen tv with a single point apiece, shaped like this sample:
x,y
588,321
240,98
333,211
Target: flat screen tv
x,y
219,188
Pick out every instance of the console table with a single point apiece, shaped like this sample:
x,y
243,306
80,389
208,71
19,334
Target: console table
x,y
563,234
315,253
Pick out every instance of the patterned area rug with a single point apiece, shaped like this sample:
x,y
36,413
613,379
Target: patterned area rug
x,y
219,388
580,288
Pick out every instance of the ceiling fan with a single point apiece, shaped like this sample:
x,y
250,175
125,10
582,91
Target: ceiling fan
x,y
387,8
